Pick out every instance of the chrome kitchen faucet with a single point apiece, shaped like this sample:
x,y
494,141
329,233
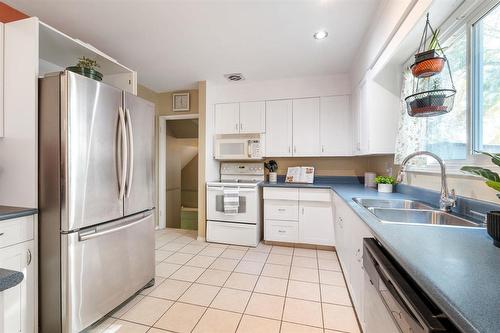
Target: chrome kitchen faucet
x,y
447,199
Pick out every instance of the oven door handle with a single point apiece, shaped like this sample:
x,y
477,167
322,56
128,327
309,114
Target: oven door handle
x,y
221,189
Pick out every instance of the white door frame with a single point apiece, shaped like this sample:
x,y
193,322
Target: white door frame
x,y
162,165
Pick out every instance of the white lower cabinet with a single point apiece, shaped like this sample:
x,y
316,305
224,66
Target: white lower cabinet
x,y
349,233
18,253
298,216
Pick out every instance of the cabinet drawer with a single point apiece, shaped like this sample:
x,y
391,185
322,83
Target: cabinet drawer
x,y
281,231
315,195
281,193
281,210
14,231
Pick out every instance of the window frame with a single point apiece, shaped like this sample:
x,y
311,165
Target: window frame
x,y
451,25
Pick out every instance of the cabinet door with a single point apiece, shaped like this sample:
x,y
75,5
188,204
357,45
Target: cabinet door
x,y
316,223
306,127
19,301
358,230
253,117
363,119
227,118
335,126
279,128
1,78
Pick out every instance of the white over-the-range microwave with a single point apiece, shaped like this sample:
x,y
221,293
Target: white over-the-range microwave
x,y
236,147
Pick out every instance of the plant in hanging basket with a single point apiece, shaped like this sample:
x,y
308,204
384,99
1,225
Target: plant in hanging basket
x,y
429,62
430,103
87,67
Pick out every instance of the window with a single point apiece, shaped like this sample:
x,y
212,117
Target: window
x,y
486,81
446,136
472,47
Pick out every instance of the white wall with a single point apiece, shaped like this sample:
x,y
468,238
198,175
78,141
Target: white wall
x,y
285,88
19,147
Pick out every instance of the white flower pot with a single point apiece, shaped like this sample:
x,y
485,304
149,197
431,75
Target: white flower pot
x,y
273,177
385,188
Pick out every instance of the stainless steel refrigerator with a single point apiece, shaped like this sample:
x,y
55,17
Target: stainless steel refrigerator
x,y
96,199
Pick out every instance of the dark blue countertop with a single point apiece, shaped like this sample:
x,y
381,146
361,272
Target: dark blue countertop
x,y
459,268
9,279
9,212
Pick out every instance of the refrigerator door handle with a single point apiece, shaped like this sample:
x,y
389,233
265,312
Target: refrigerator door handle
x,y
131,147
93,233
124,153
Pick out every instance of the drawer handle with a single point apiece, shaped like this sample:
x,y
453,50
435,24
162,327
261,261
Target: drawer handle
x,y
281,209
281,231
1,233
28,259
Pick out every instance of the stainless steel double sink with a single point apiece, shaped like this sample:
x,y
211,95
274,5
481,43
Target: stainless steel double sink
x,y
413,213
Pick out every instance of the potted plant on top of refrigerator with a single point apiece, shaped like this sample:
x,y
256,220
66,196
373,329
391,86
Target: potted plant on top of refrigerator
x,y
272,166
87,67
492,179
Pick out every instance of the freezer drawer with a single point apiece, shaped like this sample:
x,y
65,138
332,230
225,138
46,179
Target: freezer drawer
x,y
105,265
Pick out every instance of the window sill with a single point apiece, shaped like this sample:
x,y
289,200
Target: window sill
x,y
451,170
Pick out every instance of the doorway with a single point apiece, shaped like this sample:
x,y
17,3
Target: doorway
x,y
178,172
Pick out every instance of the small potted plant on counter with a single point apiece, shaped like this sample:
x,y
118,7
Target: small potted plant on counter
x,y
87,67
492,180
272,166
385,184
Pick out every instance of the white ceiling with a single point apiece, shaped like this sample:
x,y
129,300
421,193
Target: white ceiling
x,y
174,44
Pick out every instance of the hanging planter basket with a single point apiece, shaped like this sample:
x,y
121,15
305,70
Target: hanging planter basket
x,y
430,103
433,91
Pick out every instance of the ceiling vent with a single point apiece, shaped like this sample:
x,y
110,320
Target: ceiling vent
x,y
234,77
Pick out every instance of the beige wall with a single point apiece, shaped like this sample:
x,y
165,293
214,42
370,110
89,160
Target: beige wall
x,y
189,184
165,103
202,149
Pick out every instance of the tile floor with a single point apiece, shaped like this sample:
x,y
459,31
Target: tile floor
x,y
215,288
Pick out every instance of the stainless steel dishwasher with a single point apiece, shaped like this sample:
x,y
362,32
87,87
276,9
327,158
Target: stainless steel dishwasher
x,y
409,307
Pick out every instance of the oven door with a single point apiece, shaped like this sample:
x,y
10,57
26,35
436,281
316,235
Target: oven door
x,y
248,209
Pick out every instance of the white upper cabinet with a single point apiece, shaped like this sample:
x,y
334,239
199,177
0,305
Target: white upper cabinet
x,y
306,141
234,118
279,128
227,118
376,118
335,126
253,117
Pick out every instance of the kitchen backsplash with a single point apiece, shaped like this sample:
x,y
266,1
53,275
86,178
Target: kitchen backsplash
x,y
338,166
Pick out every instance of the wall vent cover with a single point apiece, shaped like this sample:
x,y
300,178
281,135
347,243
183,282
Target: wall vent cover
x,y
234,77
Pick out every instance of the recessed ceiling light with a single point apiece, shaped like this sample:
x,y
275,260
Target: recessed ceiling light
x,y
322,34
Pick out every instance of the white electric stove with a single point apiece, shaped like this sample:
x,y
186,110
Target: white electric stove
x,y
242,224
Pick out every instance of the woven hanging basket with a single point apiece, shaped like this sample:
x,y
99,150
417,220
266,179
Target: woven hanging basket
x,y
433,90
